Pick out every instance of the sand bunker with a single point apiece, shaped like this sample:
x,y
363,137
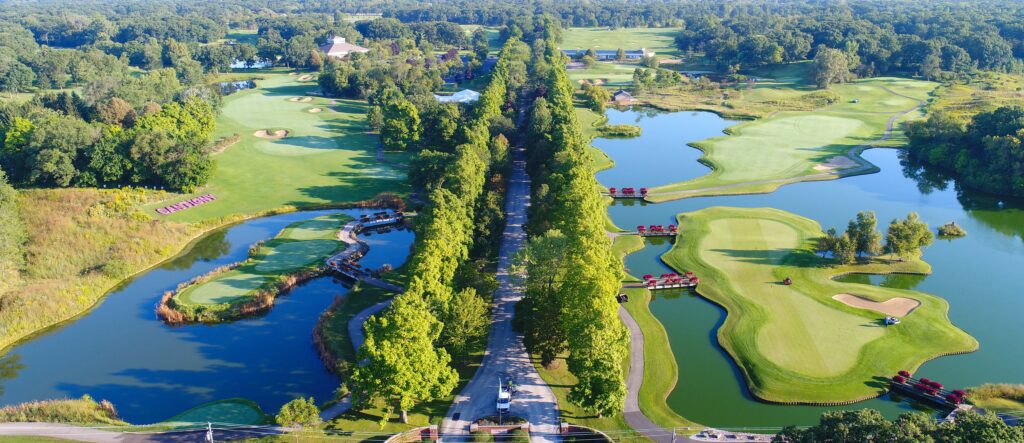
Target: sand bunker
x,y
306,78
279,134
293,73
301,99
837,162
315,110
897,307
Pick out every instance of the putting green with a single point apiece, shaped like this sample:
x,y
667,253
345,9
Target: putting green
x,y
327,158
300,245
761,155
296,254
796,344
233,410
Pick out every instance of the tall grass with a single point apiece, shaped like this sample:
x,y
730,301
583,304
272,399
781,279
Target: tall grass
x,y
84,410
81,242
997,390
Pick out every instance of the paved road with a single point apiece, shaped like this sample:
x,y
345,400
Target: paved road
x,y
854,154
505,355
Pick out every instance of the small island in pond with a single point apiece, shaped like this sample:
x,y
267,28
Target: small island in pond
x,y
951,229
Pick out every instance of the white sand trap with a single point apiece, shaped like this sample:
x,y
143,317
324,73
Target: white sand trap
x,y
306,78
315,110
279,134
293,73
896,307
301,99
837,162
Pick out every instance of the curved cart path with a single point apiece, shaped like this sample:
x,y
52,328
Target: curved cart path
x,y
505,355
863,166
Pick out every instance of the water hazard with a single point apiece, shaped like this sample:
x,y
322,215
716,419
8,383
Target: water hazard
x,y
150,371
979,274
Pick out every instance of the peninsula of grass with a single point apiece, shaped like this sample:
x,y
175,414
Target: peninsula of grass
x,y
796,343
794,146
323,159
232,410
249,287
619,131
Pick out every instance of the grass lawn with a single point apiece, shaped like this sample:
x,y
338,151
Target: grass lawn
x,y
327,158
29,439
791,146
299,245
232,410
660,40
796,344
604,73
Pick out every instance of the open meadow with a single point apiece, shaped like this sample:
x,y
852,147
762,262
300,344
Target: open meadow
x,y
326,156
791,146
801,343
659,40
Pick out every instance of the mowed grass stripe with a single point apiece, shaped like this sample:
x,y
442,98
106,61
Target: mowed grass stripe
x,y
795,343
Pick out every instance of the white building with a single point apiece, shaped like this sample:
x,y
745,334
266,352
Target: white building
x,y
339,48
463,96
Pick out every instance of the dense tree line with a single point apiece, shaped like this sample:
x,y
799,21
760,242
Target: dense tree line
x,y
985,152
914,427
407,347
861,238
60,140
573,276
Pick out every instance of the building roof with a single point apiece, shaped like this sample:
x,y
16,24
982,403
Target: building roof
x,y
463,96
338,47
621,93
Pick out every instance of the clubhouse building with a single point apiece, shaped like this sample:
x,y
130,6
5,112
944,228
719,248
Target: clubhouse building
x,y
339,48
609,54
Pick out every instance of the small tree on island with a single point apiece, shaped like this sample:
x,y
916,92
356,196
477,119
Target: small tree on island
x,y
907,236
300,412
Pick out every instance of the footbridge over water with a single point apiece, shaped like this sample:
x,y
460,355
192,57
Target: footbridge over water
x,y
346,262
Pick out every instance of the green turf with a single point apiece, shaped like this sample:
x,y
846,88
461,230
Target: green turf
x,y
795,343
327,159
604,73
761,155
298,246
659,40
233,410
29,439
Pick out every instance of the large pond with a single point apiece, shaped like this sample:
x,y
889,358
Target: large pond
x,y
980,275
120,352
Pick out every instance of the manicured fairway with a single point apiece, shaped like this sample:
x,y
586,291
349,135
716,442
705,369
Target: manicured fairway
x,y
660,40
788,147
233,410
796,343
327,157
300,245
605,73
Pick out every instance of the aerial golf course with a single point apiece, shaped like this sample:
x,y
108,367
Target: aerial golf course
x,y
816,341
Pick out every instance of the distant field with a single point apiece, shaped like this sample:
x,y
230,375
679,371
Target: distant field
x,y
327,157
659,40
493,35
242,35
796,343
791,146
608,74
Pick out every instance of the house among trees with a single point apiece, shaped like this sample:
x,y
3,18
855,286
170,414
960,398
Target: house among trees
x,y
622,97
609,54
339,48
463,96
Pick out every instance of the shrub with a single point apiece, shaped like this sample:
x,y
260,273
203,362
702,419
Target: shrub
x,y
951,229
997,390
299,412
518,435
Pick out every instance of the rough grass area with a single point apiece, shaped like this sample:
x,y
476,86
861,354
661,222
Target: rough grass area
x,y
660,40
793,146
999,397
795,344
986,92
233,410
298,246
29,439
84,410
561,382
82,242
327,157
